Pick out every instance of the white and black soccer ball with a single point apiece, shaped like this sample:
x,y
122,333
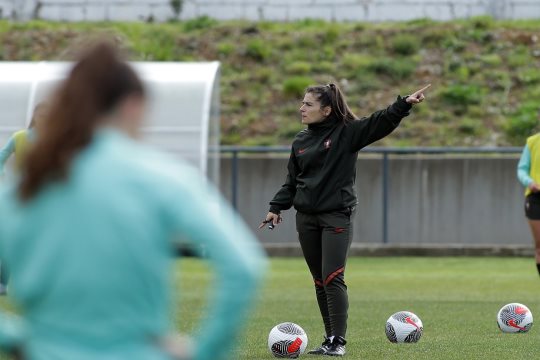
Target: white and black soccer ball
x,y
514,318
287,340
404,327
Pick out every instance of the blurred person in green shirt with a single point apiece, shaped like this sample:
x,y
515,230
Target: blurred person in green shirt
x,y
88,233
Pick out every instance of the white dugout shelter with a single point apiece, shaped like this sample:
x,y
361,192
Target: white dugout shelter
x,y
183,115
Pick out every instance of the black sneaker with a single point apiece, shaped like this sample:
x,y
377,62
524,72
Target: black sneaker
x,y
337,347
321,350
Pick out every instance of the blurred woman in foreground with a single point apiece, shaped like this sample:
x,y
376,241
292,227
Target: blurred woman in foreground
x,y
88,232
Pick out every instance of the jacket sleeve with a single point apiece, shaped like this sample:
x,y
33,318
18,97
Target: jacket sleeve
x,y
5,152
283,200
524,167
200,216
13,332
379,124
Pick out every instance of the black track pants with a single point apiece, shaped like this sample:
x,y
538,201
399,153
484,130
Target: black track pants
x,y
325,240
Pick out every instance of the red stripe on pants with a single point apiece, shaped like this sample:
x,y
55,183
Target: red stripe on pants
x,y
333,275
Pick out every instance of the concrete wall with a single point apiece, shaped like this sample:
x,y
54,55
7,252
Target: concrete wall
x,y
467,200
281,10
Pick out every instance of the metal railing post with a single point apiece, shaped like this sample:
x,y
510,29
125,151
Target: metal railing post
x,y
385,197
234,179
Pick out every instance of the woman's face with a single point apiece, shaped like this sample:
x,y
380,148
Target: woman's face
x,y
311,110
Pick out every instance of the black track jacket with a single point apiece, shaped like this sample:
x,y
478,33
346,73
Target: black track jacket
x,y
322,165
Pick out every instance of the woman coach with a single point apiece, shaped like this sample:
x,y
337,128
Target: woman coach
x,y
320,185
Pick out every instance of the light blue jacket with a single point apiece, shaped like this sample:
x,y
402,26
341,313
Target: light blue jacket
x,y
524,167
90,258
5,153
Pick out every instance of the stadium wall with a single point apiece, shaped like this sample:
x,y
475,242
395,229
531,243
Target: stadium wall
x,y
279,10
435,202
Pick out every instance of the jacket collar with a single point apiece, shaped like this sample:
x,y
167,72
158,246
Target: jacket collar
x,y
324,125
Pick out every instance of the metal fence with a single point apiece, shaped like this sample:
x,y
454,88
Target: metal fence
x,y
384,152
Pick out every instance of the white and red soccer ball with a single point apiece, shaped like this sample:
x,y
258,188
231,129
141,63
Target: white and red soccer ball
x,y
404,327
287,340
514,318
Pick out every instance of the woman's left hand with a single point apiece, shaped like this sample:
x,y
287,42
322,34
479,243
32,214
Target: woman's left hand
x,y
417,97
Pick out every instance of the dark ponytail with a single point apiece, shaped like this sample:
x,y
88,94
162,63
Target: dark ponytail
x,y
331,95
97,83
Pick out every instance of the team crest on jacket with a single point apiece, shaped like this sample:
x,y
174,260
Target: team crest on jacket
x,y
327,144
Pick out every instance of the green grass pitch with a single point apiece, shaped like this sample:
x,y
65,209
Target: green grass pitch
x,y
456,298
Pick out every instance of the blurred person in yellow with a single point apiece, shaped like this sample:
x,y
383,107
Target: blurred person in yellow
x,y
528,173
88,233
19,142
18,145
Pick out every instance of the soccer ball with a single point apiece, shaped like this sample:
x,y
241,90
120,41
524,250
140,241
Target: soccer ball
x,y
287,340
514,318
404,327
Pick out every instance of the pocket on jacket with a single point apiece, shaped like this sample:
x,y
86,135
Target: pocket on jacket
x,y
302,197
